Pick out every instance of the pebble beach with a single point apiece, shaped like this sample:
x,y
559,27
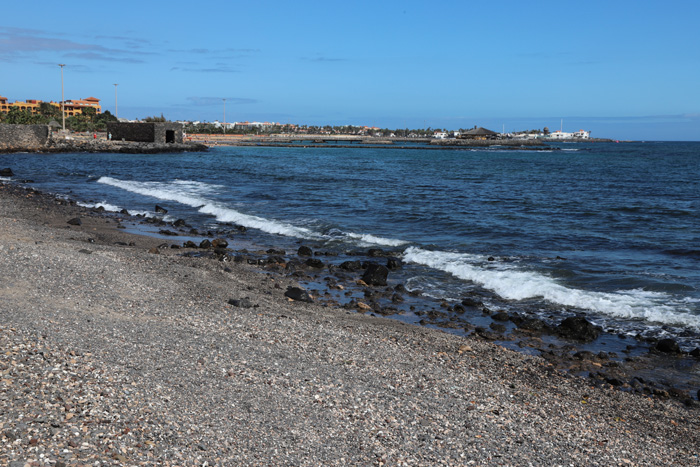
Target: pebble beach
x,y
116,352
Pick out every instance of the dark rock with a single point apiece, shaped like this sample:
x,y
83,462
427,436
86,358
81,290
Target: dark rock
x,y
189,244
6,172
75,221
375,252
154,251
584,355
219,243
531,324
205,244
305,251
394,263
314,263
167,232
275,251
500,316
578,328
695,352
179,223
396,298
241,303
375,274
498,327
459,309
351,265
124,211
470,302
667,346
400,288
298,294
161,210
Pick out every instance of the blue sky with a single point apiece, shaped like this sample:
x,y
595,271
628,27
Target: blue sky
x,y
623,69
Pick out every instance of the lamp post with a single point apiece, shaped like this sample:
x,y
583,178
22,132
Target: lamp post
x,y
224,115
63,100
116,105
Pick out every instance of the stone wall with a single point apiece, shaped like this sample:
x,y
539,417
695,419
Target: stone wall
x,y
23,137
146,132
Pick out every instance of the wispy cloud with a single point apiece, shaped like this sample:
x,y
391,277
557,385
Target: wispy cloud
x,y
322,59
18,44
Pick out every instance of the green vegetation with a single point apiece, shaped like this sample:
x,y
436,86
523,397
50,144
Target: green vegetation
x,y
89,120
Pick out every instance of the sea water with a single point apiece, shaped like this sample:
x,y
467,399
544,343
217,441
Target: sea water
x,y
608,230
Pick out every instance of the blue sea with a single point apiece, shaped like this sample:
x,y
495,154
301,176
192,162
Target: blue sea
x,y
609,230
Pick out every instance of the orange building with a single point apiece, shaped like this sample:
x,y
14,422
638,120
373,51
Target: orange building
x,y
72,107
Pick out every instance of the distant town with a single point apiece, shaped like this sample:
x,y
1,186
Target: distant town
x,y
85,115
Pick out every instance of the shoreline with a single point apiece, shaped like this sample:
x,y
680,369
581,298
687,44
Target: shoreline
x,y
182,360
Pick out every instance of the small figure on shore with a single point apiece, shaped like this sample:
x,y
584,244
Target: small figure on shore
x,y
94,136
109,136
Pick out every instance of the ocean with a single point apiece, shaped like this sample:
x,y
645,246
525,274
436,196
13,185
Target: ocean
x,y
607,230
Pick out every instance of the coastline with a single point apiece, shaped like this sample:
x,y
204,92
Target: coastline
x,y
163,358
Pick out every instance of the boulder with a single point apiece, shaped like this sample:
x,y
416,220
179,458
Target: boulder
x,y
667,346
351,265
305,251
6,172
189,244
75,221
375,274
241,303
298,294
179,223
219,243
314,263
394,263
205,244
578,328
161,210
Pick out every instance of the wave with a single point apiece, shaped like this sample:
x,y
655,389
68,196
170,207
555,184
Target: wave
x,y
194,194
515,284
103,204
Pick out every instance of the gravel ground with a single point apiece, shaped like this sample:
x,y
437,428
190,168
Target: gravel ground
x,y
111,355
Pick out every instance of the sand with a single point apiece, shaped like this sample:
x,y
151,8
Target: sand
x,y
111,354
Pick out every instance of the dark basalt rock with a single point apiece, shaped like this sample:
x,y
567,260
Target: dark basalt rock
x,y
219,243
578,328
305,251
205,244
351,265
179,223
6,172
394,263
500,316
472,303
314,263
75,221
667,346
241,303
161,210
276,251
375,274
167,232
189,244
375,252
531,324
298,294
695,352
124,212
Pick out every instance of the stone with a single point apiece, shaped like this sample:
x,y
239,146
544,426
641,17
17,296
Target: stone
x,y
189,244
500,316
351,265
472,303
179,223
154,251
376,274
375,252
394,263
219,243
6,172
305,251
75,221
124,211
314,263
578,328
298,294
167,232
695,352
205,244
241,303
161,209
667,346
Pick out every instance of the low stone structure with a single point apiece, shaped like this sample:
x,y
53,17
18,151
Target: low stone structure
x,y
23,137
146,132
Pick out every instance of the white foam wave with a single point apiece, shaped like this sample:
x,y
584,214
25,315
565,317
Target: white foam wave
x,y
368,239
104,204
515,284
195,194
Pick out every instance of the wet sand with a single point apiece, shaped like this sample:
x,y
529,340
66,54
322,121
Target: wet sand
x,y
118,351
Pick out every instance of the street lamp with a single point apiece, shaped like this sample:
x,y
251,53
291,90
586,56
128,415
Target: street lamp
x,y
63,100
224,115
116,105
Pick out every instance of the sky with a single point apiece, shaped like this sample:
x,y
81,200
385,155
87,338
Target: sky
x,y
622,69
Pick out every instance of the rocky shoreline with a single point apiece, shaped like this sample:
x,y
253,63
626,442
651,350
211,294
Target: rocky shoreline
x,y
121,349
